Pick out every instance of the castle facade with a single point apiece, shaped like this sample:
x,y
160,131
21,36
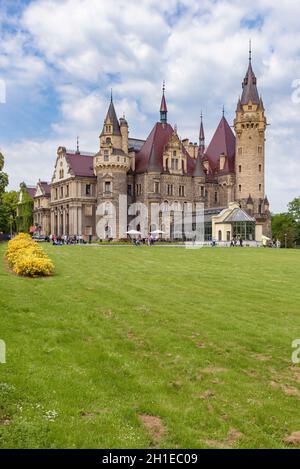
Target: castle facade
x,y
227,176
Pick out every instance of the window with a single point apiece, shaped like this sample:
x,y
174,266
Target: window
x,y
259,150
240,151
202,191
181,191
88,189
216,197
174,164
259,187
108,128
107,187
244,230
61,192
240,168
240,188
259,168
138,189
67,190
129,189
106,155
108,140
61,173
174,153
56,194
156,187
170,189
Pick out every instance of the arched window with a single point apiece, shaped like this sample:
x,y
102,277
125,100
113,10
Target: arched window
x,y
108,140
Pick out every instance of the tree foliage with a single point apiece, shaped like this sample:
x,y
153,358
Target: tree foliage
x,y
25,209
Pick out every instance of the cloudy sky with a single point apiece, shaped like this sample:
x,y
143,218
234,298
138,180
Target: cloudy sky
x,y
60,58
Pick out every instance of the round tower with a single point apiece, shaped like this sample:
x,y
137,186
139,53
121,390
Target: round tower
x,y
111,165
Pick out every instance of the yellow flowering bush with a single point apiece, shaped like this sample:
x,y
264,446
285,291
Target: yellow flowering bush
x,y
27,258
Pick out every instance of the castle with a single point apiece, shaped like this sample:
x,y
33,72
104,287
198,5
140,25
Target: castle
x,y
227,176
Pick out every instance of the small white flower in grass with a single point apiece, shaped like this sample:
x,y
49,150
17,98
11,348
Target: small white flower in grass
x,y
51,415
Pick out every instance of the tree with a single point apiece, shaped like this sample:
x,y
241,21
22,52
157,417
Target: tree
x,y
284,228
10,201
294,209
3,184
24,218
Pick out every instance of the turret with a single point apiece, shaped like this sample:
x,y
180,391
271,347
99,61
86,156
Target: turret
x,y
124,134
250,125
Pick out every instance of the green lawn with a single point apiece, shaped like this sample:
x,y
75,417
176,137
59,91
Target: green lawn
x,y
200,339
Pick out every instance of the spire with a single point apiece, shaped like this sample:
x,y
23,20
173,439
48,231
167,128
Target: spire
x,y
77,147
201,137
250,51
111,118
250,92
111,96
223,111
198,169
163,107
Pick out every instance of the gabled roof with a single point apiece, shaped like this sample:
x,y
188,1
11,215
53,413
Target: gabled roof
x,y
150,157
223,142
31,191
238,215
45,186
80,164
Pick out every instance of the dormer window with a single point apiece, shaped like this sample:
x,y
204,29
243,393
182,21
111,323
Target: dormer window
x,y
108,129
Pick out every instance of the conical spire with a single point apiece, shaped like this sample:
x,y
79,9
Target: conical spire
x,y
77,147
201,137
111,117
163,107
250,92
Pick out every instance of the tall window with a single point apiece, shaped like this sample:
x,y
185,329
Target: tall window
x,y
107,187
259,168
174,164
170,189
129,189
181,191
240,188
156,187
106,155
240,168
259,187
216,197
88,189
67,190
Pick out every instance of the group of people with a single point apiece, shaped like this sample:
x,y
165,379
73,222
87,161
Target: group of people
x,y
236,241
65,239
149,240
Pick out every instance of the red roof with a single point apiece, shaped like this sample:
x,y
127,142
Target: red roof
x,y
80,164
31,191
150,157
46,187
223,142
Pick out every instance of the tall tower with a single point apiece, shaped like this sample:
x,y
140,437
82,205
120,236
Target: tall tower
x,y
111,165
250,126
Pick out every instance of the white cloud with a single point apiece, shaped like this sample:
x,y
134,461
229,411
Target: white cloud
x,y
82,47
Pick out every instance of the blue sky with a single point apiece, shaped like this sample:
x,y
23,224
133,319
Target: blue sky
x,y
59,59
